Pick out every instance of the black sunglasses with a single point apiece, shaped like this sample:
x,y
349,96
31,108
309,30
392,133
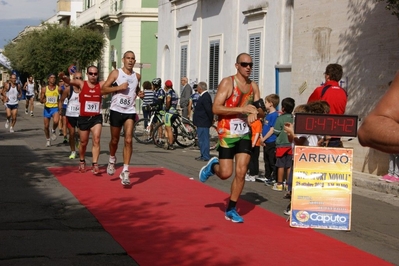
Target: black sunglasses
x,y
92,74
245,64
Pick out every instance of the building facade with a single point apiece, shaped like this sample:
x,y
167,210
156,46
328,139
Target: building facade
x,y
291,43
127,25
201,39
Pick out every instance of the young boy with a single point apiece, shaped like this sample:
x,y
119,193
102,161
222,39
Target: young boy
x,y
283,145
269,139
253,167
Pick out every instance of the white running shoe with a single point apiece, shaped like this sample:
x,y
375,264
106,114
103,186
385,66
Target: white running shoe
x,y
31,113
48,144
73,155
53,135
7,123
26,111
11,129
125,178
111,168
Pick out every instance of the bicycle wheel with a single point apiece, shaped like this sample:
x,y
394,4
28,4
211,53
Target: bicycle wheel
x,y
213,137
186,134
140,133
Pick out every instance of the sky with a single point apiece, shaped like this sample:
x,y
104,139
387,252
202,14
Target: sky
x,y
15,15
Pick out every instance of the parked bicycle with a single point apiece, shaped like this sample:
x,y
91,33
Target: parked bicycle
x,y
143,128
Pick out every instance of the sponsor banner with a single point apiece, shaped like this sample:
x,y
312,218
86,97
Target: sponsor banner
x,y
322,188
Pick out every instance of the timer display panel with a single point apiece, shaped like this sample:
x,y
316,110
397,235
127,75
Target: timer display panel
x,y
325,124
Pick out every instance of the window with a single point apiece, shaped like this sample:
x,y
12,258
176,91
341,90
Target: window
x,y
183,61
214,65
254,51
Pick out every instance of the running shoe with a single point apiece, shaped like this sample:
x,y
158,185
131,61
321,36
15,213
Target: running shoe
x,y
26,111
261,178
73,155
95,169
206,171
60,133
288,209
11,129
7,123
31,113
48,144
82,167
53,135
124,176
393,179
277,187
385,177
249,178
65,140
233,216
111,168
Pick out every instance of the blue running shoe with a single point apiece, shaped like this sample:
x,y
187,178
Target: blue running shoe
x,y
206,171
233,216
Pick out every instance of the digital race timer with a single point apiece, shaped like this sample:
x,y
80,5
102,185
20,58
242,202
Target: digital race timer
x,y
325,124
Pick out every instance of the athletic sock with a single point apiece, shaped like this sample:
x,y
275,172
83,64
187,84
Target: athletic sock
x,y
232,205
125,167
112,159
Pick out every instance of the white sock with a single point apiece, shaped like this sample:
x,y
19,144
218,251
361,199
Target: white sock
x,y
125,168
112,159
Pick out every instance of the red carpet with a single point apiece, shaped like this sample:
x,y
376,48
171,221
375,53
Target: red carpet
x,y
165,218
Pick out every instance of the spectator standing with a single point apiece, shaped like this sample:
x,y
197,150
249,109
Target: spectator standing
x,y
171,100
268,140
193,101
256,130
203,119
185,96
148,100
283,145
334,95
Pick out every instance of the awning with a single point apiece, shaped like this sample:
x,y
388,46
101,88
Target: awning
x,y
5,62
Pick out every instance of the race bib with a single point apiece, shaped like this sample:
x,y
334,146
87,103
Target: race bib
x,y
238,127
51,99
66,101
74,108
92,107
124,101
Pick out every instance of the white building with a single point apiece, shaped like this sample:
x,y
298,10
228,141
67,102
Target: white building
x,y
201,39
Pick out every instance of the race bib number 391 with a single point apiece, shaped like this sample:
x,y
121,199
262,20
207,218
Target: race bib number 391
x,y
92,107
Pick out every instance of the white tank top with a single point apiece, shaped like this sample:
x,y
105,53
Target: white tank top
x,y
30,90
73,107
124,101
12,95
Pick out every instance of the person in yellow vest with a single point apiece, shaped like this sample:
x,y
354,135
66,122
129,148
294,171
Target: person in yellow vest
x,y
49,96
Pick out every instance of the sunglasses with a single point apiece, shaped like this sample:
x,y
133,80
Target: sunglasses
x,y
78,77
92,74
245,64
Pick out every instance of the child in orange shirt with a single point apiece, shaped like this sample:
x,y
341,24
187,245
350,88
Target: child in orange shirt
x,y
256,129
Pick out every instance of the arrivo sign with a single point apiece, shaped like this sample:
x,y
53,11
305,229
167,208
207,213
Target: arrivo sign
x,y
325,124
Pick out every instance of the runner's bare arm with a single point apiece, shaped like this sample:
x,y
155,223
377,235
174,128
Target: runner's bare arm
x,y
379,129
64,95
43,95
77,82
107,87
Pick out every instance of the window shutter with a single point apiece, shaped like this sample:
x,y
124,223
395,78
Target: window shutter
x,y
214,65
183,61
254,52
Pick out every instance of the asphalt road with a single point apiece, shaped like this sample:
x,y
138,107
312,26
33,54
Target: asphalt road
x,y
41,223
